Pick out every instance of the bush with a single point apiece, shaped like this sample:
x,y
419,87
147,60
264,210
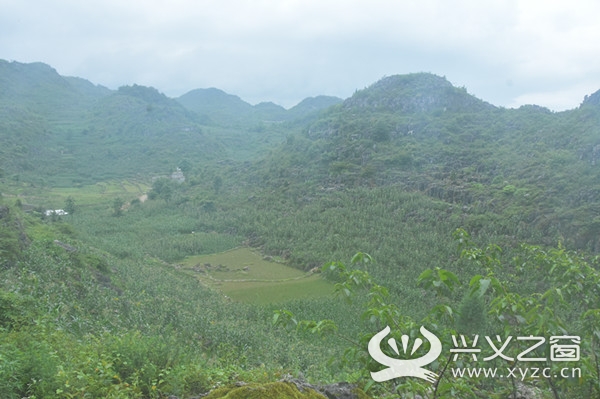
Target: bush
x,y
472,314
11,309
28,367
278,390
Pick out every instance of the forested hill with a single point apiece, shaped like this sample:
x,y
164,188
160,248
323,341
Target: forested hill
x,y
57,130
123,297
526,167
505,167
215,106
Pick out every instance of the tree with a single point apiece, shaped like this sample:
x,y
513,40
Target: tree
x,y
117,206
185,166
564,304
70,205
162,188
472,314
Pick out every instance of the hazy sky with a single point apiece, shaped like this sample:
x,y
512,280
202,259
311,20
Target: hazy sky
x,y
506,52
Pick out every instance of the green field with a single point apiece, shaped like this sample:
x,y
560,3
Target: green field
x,y
86,195
244,275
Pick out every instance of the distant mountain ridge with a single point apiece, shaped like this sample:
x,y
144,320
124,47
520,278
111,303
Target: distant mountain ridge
x,y
39,86
213,103
52,126
220,107
417,132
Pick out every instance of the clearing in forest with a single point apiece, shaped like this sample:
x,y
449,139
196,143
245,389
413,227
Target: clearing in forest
x,y
246,276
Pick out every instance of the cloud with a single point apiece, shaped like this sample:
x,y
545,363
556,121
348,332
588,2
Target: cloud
x,y
505,52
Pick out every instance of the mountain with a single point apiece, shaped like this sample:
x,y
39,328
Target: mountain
x,y
138,131
35,101
526,167
38,87
592,100
63,131
271,110
109,298
415,93
391,130
214,105
311,106
514,167
217,107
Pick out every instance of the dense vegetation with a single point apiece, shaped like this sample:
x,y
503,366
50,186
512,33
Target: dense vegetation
x,y
77,319
79,133
96,302
524,169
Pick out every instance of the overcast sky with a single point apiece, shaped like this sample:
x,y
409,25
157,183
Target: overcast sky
x,y
506,52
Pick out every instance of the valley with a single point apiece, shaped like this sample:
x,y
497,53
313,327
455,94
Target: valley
x,y
286,238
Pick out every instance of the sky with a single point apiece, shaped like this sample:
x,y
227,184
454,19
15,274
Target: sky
x,y
505,52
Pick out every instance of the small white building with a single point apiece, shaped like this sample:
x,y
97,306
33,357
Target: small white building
x,y
57,212
178,176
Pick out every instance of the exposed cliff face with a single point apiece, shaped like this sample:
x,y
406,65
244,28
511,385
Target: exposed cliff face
x,y
415,93
592,99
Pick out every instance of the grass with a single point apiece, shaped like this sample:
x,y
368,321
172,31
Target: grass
x,y
92,194
87,195
245,276
273,292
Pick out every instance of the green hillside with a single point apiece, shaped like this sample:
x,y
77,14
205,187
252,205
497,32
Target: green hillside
x,y
36,106
525,168
427,206
76,320
66,131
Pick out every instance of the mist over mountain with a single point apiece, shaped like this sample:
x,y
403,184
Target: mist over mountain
x,y
415,131
216,106
66,130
